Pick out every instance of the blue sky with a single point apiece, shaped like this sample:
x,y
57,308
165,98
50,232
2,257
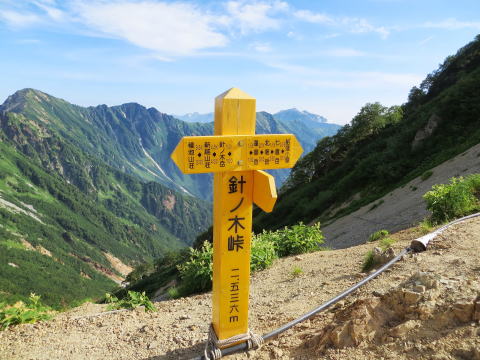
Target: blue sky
x,y
327,57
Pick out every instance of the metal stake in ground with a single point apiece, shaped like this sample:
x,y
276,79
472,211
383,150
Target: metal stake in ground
x,y
236,155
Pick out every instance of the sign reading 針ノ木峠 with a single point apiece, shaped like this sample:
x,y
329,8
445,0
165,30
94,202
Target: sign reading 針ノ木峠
x,y
236,156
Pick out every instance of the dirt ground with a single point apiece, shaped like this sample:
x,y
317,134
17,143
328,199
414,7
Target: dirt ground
x,y
426,307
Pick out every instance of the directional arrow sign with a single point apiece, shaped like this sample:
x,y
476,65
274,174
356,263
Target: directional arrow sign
x,y
202,154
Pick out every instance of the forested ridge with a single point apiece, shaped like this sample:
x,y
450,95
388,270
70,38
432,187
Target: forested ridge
x,y
383,148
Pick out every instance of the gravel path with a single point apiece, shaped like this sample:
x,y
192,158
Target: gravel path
x,y
178,330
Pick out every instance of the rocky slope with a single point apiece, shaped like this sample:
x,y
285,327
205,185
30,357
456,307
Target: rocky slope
x,y
400,208
426,307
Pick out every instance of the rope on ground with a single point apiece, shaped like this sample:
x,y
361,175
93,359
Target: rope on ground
x,y
253,341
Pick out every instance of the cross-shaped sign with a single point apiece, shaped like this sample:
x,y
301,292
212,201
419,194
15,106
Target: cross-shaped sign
x,y
236,155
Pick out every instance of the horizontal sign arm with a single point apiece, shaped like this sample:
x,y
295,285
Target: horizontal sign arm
x,y
203,154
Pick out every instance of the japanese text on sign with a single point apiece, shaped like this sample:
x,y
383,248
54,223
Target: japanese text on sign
x,y
235,240
237,152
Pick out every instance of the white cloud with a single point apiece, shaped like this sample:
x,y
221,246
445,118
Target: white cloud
x,y
17,19
309,16
352,25
178,28
261,47
49,9
453,24
254,16
166,28
25,14
28,41
331,36
360,26
175,28
295,35
47,2
426,40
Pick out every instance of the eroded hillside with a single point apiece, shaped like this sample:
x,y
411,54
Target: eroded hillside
x,y
400,208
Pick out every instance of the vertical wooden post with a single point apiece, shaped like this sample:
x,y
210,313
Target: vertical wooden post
x,y
232,228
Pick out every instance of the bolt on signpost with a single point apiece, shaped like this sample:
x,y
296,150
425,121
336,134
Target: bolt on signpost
x,y
236,155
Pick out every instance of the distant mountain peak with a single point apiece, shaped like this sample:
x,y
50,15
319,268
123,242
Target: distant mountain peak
x,y
16,101
30,93
27,91
195,117
301,115
21,99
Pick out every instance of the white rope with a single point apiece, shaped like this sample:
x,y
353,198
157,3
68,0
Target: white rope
x,y
254,341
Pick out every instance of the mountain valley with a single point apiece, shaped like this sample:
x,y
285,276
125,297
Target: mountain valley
x,y
85,192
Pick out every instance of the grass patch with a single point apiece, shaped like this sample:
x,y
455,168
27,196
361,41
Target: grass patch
x,y
297,239
197,273
425,226
368,261
296,271
133,300
263,253
386,242
24,312
377,235
426,175
173,293
11,244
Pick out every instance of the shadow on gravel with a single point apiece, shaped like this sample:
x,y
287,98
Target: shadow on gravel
x,y
189,353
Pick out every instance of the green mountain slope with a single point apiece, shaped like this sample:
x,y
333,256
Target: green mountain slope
x,y
138,140
383,148
64,215
95,178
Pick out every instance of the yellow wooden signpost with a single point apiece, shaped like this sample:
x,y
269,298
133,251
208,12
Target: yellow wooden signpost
x,y
236,155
